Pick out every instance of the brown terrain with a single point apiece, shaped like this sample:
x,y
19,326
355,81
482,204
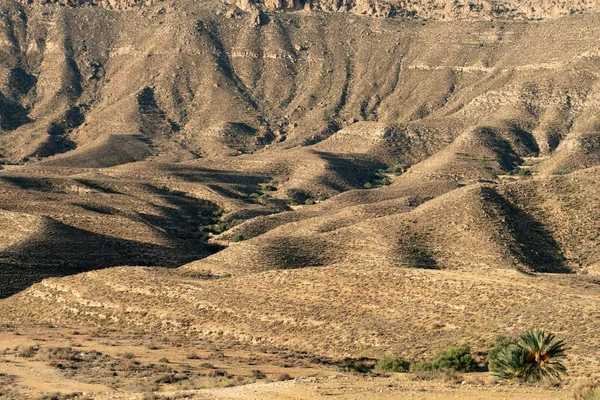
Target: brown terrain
x,y
226,200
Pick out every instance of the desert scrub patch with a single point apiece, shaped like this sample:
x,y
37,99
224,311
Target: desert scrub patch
x,y
26,351
361,365
587,389
392,364
268,188
223,226
520,172
237,238
204,275
457,357
61,396
123,373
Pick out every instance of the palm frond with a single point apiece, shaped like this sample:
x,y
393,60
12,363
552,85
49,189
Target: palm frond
x,y
535,356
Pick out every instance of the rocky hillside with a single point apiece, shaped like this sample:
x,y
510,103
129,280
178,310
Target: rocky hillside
x,y
403,182
423,9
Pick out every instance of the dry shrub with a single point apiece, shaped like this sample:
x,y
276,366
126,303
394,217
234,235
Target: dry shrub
x,y
587,389
284,377
27,351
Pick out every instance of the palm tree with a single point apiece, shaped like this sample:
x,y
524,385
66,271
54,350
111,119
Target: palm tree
x,y
534,357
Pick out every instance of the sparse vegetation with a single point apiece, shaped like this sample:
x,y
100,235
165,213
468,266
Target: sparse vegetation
x,y
27,351
238,237
223,226
520,172
587,389
360,365
392,364
456,357
309,202
268,188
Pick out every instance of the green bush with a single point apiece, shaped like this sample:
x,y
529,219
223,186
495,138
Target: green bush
x,y
523,172
368,185
386,181
309,202
268,188
392,364
421,366
502,342
237,238
457,357
223,226
254,196
323,197
535,356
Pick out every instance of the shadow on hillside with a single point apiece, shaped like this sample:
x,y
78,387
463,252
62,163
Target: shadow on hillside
x,y
206,175
534,245
61,250
350,171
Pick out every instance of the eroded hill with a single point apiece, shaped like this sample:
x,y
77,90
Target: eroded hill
x,y
331,184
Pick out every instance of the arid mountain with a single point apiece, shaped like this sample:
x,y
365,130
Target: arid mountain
x,y
397,176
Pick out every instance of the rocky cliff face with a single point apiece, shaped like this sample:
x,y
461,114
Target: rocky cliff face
x,y
424,9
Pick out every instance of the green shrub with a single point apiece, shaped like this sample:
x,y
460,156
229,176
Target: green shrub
x,y
456,357
237,238
223,226
254,195
502,342
535,356
309,202
368,185
421,366
386,181
268,188
392,364
218,212
523,172
323,197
